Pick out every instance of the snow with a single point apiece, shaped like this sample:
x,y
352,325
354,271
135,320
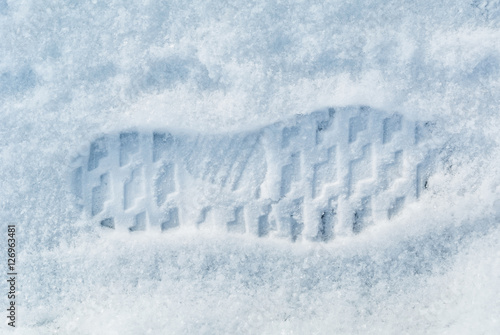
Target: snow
x,y
70,70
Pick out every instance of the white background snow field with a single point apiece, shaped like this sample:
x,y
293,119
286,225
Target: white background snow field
x,y
70,70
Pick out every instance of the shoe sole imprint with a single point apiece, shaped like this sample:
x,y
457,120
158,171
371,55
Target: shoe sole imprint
x,y
330,173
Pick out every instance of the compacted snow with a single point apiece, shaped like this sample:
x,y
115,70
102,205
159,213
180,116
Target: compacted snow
x,y
74,71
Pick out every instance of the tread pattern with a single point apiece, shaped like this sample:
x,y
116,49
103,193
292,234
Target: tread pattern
x,y
332,172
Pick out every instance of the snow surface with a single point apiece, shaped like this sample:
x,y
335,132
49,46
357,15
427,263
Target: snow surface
x,y
72,69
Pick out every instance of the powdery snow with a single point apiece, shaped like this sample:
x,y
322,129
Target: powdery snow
x,y
70,70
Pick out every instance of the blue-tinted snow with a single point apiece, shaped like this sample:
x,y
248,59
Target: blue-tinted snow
x,y
72,69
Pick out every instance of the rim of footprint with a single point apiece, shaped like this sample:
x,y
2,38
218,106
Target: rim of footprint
x,y
333,172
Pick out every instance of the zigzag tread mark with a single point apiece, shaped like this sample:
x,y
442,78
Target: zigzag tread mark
x,y
118,181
